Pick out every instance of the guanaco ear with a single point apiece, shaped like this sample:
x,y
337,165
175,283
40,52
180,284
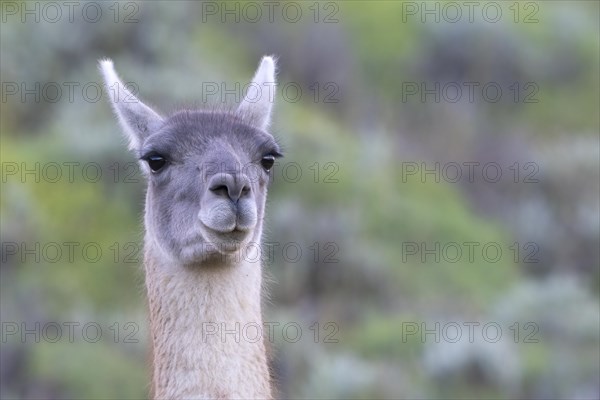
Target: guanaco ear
x,y
258,103
137,120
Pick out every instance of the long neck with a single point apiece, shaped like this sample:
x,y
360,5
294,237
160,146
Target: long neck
x,y
207,330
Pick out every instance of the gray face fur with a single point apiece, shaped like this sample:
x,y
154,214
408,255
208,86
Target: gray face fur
x,y
207,171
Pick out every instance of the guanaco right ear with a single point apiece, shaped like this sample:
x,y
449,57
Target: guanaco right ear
x,y
137,120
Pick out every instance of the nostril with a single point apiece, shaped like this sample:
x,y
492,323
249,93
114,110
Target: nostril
x,y
229,186
221,190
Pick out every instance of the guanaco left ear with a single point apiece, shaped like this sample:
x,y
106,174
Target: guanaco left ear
x,y
258,103
137,120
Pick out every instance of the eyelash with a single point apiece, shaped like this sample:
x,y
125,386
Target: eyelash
x,y
268,159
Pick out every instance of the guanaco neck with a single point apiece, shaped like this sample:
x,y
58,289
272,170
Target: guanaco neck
x,y
206,330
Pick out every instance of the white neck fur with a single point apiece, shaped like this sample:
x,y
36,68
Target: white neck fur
x,y
203,323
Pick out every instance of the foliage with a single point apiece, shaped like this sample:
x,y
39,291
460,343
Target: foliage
x,y
353,199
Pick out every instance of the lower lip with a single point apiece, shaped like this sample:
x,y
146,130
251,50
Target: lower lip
x,y
236,233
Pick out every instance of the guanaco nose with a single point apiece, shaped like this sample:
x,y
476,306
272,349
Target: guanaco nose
x,y
232,186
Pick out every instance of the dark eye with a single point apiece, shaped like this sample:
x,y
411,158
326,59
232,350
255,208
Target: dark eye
x,y
156,162
267,162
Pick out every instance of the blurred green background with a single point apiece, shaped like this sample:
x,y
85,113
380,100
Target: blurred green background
x,y
364,117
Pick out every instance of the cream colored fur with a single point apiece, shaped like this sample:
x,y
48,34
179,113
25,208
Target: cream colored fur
x,y
190,360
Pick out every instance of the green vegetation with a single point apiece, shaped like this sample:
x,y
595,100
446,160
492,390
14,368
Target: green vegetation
x,y
363,224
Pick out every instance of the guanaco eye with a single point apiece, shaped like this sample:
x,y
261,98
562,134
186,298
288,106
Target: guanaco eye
x,y
267,162
156,162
